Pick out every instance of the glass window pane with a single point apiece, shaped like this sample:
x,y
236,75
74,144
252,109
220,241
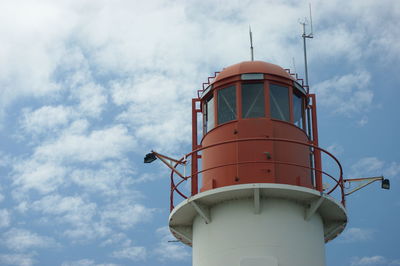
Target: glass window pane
x,y
298,110
279,102
253,100
226,104
209,115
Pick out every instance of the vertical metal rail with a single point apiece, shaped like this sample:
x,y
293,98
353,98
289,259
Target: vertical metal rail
x,y
311,137
195,156
317,152
305,53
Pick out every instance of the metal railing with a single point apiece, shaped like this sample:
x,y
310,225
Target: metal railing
x,y
175,185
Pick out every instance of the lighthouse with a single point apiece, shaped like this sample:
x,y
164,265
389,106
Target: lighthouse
x,y
258,193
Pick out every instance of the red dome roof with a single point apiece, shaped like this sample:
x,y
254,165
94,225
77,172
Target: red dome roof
x,y
253,67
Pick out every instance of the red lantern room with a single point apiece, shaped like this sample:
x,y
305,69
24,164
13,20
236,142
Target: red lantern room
x,y
254,117
254,100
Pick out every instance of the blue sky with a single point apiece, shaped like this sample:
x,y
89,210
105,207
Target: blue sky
x,y
88,87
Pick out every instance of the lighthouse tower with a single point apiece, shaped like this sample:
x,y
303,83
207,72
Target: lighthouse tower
x,y
259,195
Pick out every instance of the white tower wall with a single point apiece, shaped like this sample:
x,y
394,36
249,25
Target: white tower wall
x,y
277,235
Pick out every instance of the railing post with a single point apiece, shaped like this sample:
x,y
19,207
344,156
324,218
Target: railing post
x,y
317,152
194,168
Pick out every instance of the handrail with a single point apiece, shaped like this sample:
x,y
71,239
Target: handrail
x,y
339,181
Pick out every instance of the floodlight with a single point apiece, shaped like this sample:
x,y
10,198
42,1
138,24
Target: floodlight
x,y
385,184
150,157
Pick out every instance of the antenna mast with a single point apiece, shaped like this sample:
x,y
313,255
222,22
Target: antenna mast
x,y
251,44
308,112
306,36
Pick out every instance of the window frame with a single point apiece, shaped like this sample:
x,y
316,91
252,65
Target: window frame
x,y
210,98
216,102
262,82
289,91
297,93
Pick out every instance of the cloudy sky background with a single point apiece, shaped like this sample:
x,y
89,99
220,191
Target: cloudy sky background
x,y
88,87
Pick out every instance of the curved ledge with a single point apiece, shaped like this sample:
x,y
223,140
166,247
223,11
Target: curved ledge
x,y
332,212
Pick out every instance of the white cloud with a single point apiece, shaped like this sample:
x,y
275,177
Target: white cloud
x,y
373,260
1,195
77,127
17,259
92,99
156,110
134,253
170,251
77,213
21,239
83,233
373,166
147,177
45,118
357,30
335,149
5,218
30,48
363,121
86,262
89,95
109,178
47,169
5,160
125,214
22,206
73,210
114,239
355,234
40,48
348,94
393,169
338,41
83,262
368,166
99,145
42,177
86,221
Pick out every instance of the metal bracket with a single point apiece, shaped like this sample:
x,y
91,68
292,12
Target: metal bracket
x,y
333,231
310,211
368,180
203,211
257,208
169,164
182,232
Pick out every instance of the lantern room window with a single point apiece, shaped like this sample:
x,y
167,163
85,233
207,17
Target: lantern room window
x,y
298,110
279,102
208,118
226,104
253,100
